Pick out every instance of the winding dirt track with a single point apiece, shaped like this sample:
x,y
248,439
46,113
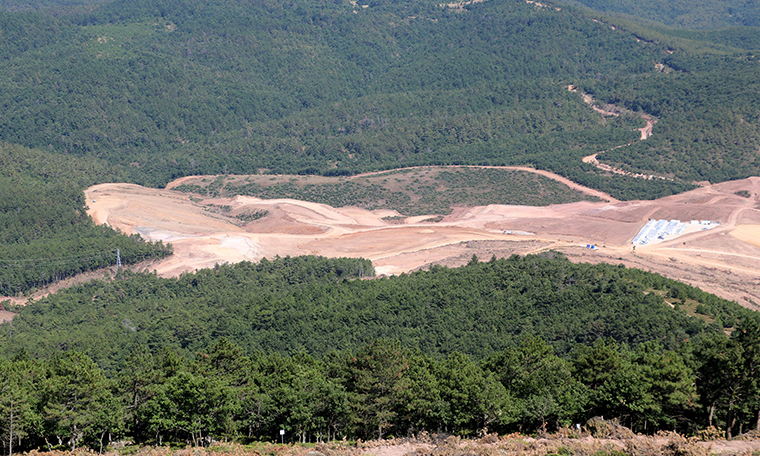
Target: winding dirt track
x,y
611,110
563,180
715,260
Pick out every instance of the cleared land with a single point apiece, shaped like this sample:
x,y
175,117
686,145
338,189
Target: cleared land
x,y
724,260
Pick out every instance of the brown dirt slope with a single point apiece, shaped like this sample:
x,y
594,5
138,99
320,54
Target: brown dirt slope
x,y
724,260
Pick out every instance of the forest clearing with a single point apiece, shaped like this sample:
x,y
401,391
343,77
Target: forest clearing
x,y
205,231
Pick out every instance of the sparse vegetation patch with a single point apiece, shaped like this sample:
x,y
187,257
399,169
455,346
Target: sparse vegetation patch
x,y
411,192
250,216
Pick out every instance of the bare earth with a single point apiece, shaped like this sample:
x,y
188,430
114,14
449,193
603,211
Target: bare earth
x,y
588,445
489,445
724,260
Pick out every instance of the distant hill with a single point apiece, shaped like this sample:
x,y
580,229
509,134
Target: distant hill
x,y
55,7
172,88
45,233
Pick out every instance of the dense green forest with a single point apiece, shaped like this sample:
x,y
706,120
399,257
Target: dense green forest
x,y
55,7
700,97
689,14
303,344
45,234
172,88
294,304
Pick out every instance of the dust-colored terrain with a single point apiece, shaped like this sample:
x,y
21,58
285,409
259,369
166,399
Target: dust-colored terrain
x,y
6,316
521,445
665,443
724,260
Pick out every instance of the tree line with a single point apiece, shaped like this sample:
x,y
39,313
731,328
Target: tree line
x,y
379,390
316,305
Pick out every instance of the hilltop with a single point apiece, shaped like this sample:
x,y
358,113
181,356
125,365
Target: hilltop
x,y
701,14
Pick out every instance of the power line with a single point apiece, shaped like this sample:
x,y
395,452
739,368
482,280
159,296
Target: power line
x,y
107,252
58,261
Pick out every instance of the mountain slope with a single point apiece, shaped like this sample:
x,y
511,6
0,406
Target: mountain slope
x,y
700,14
305,303
173,88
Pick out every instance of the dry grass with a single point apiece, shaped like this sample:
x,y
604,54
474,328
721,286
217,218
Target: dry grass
x,y
597,438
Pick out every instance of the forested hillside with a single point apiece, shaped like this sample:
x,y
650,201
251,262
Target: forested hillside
x,y
295,304
417,191
45,234
690,14
305,345
148,91
719,96
177,87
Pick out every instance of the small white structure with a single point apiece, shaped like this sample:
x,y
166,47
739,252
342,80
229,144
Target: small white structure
x,y
656,231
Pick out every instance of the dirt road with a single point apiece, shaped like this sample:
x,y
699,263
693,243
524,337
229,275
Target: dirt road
x,y
563,180
611,110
